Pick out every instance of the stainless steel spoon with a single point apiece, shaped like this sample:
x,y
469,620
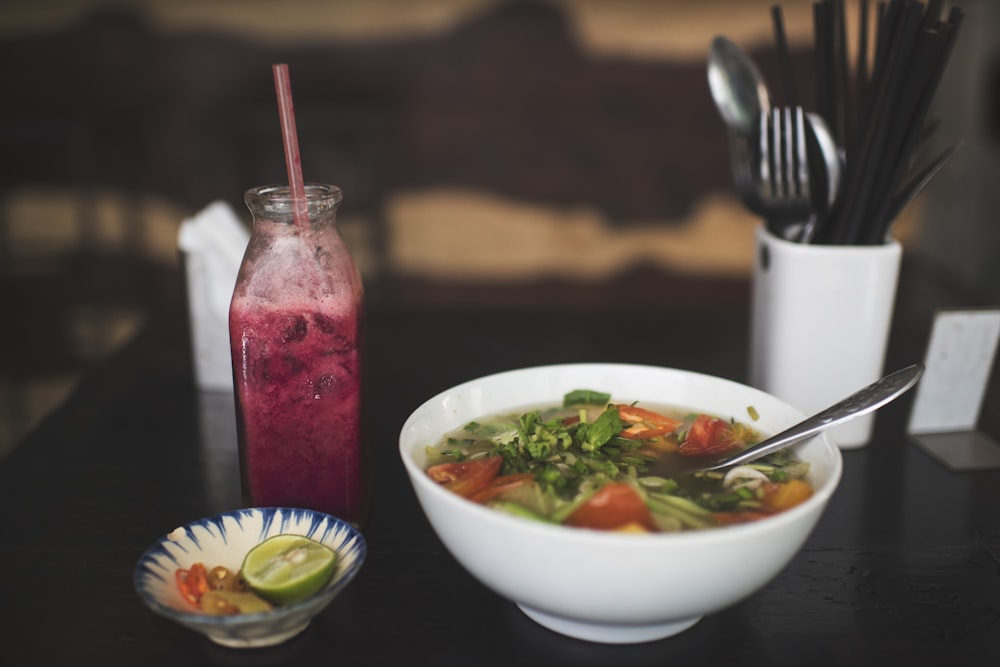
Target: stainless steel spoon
x,y
737,86
862,402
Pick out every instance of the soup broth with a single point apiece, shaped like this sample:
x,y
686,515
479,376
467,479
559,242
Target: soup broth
x,y
594,463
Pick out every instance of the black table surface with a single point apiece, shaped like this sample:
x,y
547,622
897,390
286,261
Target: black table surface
x,y
903,568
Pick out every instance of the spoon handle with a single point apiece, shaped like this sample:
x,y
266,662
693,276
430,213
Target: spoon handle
x,y
862,402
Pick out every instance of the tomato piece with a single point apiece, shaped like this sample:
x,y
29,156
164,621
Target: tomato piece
x,y
466,477
614,506
192,583
645,424
501,484
708,436
780,496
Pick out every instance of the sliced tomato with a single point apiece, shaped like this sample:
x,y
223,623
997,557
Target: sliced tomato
x,y
467,477
614,506
192,583
708,436
645,424
501,484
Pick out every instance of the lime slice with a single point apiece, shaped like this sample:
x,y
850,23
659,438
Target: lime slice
x,y
288,568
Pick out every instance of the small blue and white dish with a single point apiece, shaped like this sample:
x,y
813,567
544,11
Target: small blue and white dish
x,y
224,540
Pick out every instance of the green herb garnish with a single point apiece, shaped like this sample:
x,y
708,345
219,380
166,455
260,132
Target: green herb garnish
x,y
585,397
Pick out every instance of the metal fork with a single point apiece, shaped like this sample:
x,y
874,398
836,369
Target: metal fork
x,y
783,170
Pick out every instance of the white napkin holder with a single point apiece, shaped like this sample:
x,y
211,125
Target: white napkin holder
x,y
212,243
950,396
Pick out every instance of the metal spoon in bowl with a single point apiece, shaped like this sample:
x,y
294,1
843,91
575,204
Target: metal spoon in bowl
x,y
859,403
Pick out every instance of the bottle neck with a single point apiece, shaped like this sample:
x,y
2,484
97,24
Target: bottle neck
x,y
274,208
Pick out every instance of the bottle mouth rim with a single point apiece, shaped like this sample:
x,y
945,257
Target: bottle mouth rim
x,y
282,194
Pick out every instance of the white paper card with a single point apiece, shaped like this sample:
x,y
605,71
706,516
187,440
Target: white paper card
x,y
959,358
212,242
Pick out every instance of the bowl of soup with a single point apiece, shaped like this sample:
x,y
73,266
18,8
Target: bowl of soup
x,y
568,490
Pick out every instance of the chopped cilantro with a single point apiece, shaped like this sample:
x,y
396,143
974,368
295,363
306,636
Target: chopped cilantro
x,y
596,434
585,397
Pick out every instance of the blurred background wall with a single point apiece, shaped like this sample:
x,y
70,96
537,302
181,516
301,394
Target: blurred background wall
x,y
486,148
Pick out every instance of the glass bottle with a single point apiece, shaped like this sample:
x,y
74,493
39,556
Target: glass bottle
x,y
296,329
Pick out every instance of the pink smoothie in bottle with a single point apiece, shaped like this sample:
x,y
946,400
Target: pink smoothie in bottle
x,y
295,325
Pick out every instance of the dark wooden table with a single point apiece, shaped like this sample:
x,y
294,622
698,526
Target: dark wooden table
x,y
904,567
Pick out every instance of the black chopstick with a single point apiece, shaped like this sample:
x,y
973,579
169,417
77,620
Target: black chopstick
x,y
861,73
826,91
871,156
784,58
939,40
844,100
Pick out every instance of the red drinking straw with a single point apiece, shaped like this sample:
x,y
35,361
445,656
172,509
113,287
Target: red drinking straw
x,y
289,136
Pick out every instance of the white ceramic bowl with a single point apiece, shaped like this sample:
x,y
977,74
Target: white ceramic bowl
x,y
224,540
612,587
